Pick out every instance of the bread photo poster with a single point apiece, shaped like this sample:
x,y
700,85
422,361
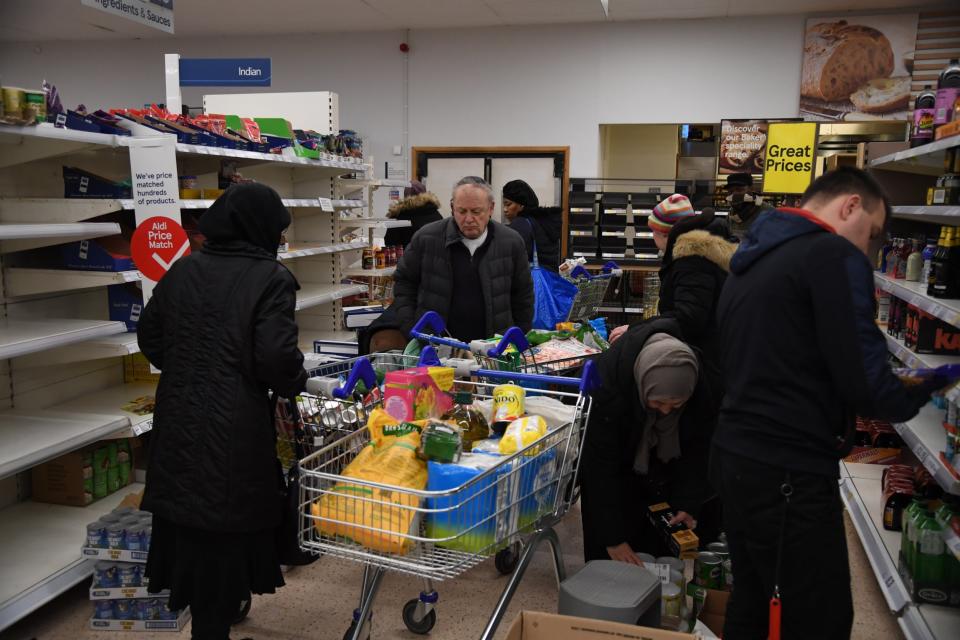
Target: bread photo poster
x,y
858,67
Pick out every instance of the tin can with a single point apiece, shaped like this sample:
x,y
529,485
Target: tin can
x,y
129,574
330,414
150,609
165,612
134,538
670,600
123,609
36,101
349,419
145,536
105,575
508,403
123,512
720,549
103,610
14,99
110,518
115,536
708,570
97,535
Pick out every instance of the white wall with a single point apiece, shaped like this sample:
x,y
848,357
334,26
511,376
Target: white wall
x,y
549,85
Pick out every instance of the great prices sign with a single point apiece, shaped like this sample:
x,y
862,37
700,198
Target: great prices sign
x,y
790,158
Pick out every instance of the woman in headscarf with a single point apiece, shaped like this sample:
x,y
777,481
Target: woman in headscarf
x,y
537,225
419,206
220,326
645,443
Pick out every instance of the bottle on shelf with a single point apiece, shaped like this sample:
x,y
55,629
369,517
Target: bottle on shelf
x,y
915,262
903,255
930,568
927,257
924,110
948,91
893,257
940,275
953,264
883,263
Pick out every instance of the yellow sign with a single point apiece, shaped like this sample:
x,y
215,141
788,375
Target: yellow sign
x,y
791,157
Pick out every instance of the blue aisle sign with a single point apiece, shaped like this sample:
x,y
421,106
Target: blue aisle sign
x,y
224,72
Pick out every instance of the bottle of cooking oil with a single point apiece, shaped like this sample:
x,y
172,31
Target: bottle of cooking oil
x,y
473,425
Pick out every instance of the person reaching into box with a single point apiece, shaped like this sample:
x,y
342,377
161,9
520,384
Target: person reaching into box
x,y
220,326
645,443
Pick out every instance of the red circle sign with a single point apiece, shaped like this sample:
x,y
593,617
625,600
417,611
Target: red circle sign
x,y
156,245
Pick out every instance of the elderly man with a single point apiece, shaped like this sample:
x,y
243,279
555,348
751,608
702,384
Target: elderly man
x,y
468,268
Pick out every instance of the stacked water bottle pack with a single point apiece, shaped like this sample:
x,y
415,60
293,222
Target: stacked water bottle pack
x,y
120,541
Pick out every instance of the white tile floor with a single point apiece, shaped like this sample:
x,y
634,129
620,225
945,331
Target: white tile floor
x,y
318,600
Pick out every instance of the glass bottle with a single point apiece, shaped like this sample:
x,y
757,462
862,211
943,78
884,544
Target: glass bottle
x,y
915,262
942,281
473,426
902,256
927,258
935,259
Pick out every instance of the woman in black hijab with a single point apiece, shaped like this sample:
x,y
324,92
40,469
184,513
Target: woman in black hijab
x,y
220,326
537,225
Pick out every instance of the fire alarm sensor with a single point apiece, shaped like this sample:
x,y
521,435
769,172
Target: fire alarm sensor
x,y
404,47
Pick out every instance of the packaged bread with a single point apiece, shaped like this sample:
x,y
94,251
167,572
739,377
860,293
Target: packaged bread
x,y
841,57
883,95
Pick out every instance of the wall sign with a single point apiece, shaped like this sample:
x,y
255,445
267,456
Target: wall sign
x,y
791,157
742,143
224,72
157,14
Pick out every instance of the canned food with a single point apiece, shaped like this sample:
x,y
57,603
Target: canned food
x,y
129,575
670,600
508,405
115,536
134,538
330,414
123,512
105,575
103,610
150,609
110,518
708,570
145,536
123,609
369,259
97,535
165,612
720,549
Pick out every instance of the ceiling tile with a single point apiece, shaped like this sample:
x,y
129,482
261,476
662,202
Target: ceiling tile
x,y
427,14
547,11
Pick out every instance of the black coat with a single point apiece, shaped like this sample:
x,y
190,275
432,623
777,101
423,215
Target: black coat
x,y
613,496
221,328
420,210
424,278
545,226
695,266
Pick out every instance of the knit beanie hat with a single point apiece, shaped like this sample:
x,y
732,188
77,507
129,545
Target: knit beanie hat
x,y
520,192
669,212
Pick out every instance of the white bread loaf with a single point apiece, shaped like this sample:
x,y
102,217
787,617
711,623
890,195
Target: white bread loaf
x,y
883,95
840,57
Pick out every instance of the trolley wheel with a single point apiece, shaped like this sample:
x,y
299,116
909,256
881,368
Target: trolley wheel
x,y
424,624
506,559
244,610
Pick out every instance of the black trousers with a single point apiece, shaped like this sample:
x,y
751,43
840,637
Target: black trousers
x,y
212,613
814,573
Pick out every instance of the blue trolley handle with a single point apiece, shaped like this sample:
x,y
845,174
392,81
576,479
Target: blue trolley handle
x,y
432,321
361,370
429,357
580,272
512,336
587,383
610,267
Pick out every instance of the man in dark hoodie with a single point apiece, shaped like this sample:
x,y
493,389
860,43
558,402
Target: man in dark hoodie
x,y
540,226
802,357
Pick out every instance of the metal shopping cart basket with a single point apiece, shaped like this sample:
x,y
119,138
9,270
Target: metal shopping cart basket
x,y
512,352
591,290
438,535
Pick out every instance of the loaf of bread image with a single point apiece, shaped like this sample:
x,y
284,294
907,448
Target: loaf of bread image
x,y
883,95
841,57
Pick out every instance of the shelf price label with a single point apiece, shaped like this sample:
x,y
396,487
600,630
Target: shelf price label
x,y
326,204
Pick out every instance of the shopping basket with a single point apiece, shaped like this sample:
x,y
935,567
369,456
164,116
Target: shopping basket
x,y
444,533
512,352
591,290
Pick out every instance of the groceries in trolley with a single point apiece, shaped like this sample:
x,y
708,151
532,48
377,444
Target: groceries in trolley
x,y
473,426
419,393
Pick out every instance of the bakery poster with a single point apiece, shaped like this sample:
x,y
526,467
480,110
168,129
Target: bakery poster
x,y
856,67
742,143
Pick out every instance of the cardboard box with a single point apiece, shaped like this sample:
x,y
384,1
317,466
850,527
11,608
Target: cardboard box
x,y
125,302
682,542
536,625
104,254
928,334
947,130
142,625
70,479
714,611
136,368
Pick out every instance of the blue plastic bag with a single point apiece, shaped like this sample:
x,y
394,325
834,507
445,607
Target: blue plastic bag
x,y
552,294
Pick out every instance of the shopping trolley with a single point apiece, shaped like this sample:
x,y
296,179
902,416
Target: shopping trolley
x,y
512,352
442,534
591,290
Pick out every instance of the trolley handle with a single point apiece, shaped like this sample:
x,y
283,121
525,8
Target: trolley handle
x,y
610,268
580,272
432,321
429,357
587,383
512,336
330,387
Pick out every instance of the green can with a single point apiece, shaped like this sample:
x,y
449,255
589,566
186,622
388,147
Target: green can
x,y
708,570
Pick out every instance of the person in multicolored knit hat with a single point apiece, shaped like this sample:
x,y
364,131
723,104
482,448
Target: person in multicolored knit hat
x,y
666,214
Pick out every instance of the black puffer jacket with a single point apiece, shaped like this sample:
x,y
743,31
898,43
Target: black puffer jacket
x,y
616,426
695,266
420,210
543,225
424,280
221,327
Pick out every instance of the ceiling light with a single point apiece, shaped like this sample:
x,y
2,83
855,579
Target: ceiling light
x,y
606,8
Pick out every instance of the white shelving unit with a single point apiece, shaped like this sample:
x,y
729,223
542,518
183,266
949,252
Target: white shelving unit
x,y
915,293
935,213
40,554
926,438
355,271
927,159
63,374
917,360
861,493
373,223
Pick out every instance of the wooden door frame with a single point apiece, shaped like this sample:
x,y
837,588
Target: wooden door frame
x,y
415,153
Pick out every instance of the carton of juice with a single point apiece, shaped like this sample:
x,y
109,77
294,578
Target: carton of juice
x,y
419,393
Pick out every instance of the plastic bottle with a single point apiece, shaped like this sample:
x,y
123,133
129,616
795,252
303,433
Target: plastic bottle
x,y
931,567
915,262
924,112
927,257
473,426
906,248
911,531
948,90
942,280
934,258
883,265
893,256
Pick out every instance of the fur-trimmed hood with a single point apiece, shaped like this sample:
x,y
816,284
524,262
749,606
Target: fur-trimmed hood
x,y
409,205
700,242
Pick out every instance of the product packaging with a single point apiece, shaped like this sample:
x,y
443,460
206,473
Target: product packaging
x,y
419,393
125,302
467,519
79,477
441,442
679,539
521,433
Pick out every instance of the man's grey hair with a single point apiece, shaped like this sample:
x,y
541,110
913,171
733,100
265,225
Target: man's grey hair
x,y
474,181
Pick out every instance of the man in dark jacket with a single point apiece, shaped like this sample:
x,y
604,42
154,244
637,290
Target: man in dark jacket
x,y
745,204
614,495
419,207
802,356
221,328
538,226
468,268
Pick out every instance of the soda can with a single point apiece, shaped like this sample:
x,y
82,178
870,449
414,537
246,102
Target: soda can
x,y
97,535
123,609
103,610
105,575
708,570
129,574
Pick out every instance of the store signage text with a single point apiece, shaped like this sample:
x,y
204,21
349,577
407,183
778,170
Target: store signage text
x,y
157,14
225,72
790,159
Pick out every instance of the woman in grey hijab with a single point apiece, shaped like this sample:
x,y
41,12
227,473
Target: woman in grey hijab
x,y
642,441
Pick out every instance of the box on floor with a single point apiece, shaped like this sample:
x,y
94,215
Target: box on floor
x,y
536,625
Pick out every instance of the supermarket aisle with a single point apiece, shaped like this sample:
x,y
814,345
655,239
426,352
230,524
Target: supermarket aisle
x,y
317,601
